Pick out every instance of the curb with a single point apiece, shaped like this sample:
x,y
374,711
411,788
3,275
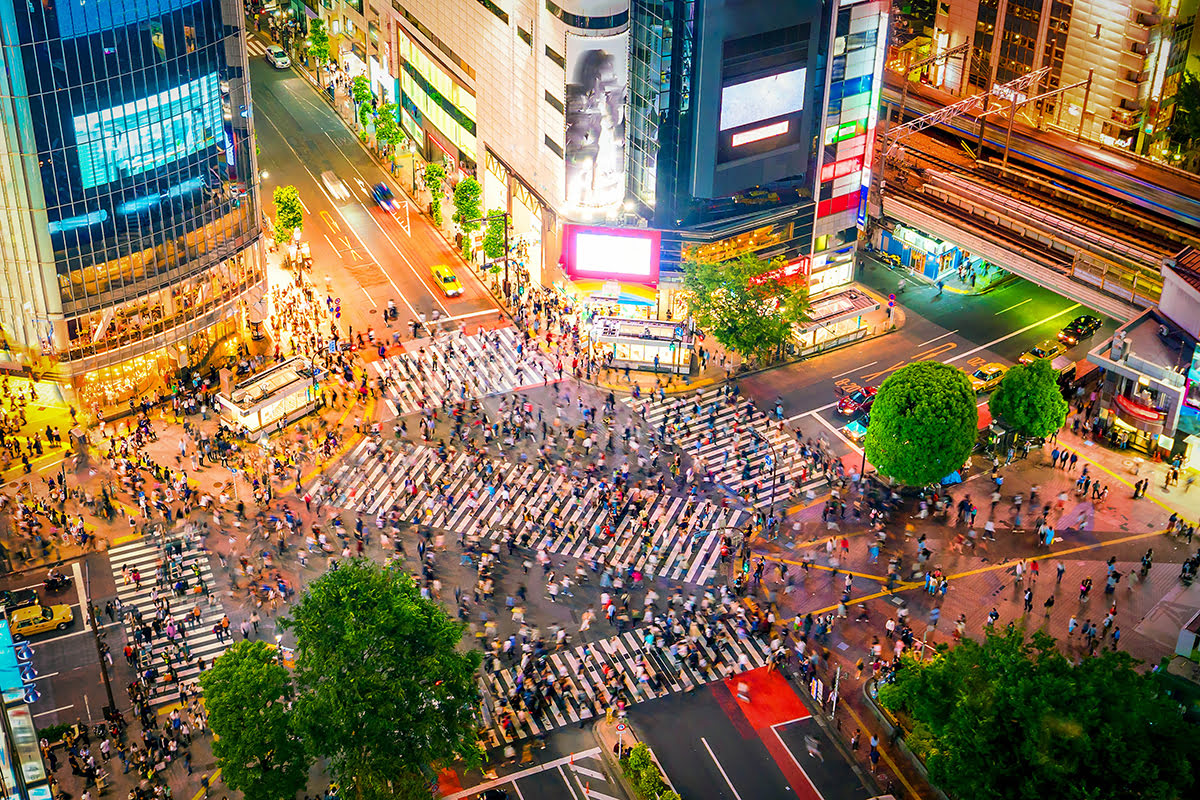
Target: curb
x,y
610,760
885,720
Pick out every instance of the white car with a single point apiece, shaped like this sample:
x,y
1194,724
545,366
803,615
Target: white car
x,y
277,57
333,184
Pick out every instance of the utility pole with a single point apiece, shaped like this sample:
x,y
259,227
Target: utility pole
x,y
91,612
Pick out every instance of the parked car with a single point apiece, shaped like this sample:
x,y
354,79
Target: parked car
x,y
857,402
19,598
1047,349
1079,329
987,377
277,57
445,278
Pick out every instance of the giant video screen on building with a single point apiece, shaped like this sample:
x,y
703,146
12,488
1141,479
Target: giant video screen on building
x,y
594,144
126,140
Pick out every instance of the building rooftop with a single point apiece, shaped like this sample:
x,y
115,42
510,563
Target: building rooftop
x,y
1187,266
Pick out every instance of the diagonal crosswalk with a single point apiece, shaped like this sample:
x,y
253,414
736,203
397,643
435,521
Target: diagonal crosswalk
x,y
716,434
191,564
593,674
455,368
661,535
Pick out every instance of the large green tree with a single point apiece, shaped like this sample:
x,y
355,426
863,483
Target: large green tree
x,y
318,45
289,214
741,306
1010,718
435,178
1184,129
247,694
466,203
384,692
387,128
1028,399
493,234
923,423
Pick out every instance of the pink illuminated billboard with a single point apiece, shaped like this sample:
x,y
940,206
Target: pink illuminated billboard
x,y
611,254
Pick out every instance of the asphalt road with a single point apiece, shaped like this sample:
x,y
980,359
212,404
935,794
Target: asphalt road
x,y
67,663
363,254
715,746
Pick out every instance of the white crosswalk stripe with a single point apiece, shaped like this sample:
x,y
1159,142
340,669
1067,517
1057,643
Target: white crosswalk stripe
x,y
718,437
584,666
145,555
460,367
255,47
658,540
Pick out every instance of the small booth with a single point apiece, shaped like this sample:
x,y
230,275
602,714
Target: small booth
x,y
278,396
643,344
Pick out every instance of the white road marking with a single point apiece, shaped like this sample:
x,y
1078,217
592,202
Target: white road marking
x,y
936,338
838,433
713,756
855,369
793,757
1010,308
525,773
563,775
53,711
1005,338
591,773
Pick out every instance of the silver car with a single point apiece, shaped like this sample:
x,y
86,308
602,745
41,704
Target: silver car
x,y
277,57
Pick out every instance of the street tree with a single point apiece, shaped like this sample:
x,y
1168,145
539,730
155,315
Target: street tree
x,y
493,234
435,179
1184,129
387,128
360,93
923,423
247,693
1010,718
743,307
1028,399
318,45
466,203
289,214
384,692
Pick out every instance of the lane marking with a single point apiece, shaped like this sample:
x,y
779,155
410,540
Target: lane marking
x,y
1017,305
563,775
713,756
792,755
936,338
470,314
591,773
525,773
886,758
329,220
838,433
1005,338
53,711
213,779
368,294
301,199
855,369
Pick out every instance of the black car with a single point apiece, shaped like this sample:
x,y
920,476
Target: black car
x,y
1079,329
19,598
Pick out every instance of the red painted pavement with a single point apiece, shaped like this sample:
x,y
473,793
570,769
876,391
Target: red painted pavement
x,y
448,783
772,702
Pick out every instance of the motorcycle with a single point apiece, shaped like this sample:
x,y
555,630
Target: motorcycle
x,y
56,582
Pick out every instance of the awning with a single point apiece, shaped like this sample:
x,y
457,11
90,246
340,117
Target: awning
x,y
628,294
1138,415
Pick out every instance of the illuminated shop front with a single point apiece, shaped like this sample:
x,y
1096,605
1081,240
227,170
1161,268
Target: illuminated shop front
x,y
612,271
923,254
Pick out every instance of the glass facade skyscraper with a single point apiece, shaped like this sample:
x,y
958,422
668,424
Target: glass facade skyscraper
x,y
131,238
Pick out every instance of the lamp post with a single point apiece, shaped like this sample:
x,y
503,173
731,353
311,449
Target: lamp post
x,y
774,462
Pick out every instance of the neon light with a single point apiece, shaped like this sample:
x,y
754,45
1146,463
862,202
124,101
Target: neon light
x,y
74,223
758,134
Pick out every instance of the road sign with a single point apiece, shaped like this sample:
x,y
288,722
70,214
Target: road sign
x,y
620,727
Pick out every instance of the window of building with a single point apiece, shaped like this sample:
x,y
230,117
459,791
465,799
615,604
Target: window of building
x,y
525,35
554,148
556,58
500,13
554,102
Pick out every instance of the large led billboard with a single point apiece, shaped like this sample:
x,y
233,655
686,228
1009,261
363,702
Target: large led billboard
x,y
594,143
762,98
611,254
122,141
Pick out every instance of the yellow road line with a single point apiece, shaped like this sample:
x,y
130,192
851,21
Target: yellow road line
x,y
883,754
213,779
777,560
1115,476
348,444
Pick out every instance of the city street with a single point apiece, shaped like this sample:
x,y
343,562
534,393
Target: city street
x,y
363,254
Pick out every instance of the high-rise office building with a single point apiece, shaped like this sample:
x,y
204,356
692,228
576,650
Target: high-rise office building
x,y
1135,52
131,238
713,127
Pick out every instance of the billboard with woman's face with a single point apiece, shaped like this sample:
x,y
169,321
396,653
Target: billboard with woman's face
x,y
596,97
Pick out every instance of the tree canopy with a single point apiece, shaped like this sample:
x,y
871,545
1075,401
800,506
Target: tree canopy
x,y
387,128
1011,719
383,690
741,307
1028,399
247,693
493,234
1185,123
435,176
360,89
288,212
318,41
923,423
466,203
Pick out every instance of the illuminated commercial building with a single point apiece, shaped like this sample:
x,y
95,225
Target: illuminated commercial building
x,y
131,225
1134,50
725,126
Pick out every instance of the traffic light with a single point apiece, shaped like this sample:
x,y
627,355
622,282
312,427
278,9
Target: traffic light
x,y
891,301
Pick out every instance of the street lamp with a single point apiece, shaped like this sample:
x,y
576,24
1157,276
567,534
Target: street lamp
x,y
774,462
487,220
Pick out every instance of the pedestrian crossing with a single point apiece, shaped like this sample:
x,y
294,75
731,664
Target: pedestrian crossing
x,y
145,555
642,672
457,368
670,536
731,442
255,47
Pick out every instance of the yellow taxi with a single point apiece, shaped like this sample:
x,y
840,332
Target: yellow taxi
x,y
33,620
986,377
1050,348
445,278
